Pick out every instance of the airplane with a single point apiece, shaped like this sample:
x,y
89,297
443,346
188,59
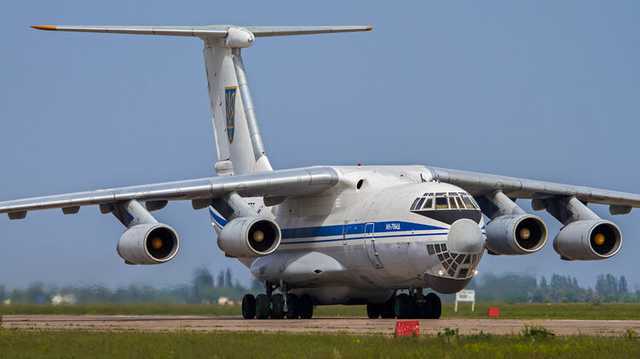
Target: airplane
x,y
388,237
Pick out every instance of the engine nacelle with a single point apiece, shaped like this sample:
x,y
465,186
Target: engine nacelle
x,y
588,240
152,243
516,234
249,237
239,38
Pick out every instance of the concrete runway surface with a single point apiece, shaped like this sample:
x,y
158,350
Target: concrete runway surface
x,y
320,325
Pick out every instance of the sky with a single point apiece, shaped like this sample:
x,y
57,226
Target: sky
x,y
540,89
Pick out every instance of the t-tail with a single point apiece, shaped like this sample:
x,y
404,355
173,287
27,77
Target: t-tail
x,y
237,136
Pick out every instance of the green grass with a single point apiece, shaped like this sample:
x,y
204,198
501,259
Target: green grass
x,y
78,344
508,311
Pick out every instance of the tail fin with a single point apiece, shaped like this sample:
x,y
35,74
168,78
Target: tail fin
x,y
238,141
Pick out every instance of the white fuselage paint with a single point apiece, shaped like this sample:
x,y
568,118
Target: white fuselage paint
x,y
351,245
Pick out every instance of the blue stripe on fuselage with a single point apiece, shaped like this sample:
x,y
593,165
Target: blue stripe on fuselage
x,y
355,228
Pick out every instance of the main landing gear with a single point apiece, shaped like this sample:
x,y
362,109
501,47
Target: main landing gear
x,y
406,306
278,305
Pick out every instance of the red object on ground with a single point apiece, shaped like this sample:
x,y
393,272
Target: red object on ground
x,y
407,328
493,312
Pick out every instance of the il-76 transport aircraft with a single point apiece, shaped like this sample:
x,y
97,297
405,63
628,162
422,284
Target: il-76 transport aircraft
x,y
374,235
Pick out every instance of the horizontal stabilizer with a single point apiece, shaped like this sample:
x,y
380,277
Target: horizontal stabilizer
x,y
209,31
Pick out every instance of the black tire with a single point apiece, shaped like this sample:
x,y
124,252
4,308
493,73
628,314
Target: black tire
x,y
277,306
248,306
374,310
404,306
388,308
263,306
293,306
434,305
306,307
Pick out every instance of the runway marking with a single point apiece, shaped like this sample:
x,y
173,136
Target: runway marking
x,y
321,325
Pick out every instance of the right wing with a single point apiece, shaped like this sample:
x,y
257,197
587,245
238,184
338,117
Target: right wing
x,y
285,183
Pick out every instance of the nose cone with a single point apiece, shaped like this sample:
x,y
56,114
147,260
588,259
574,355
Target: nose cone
x,y
465,237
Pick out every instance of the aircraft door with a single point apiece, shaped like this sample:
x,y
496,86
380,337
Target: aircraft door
x,y
370,245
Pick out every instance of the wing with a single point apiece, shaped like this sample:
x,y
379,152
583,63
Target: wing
x,y
285,183
483,183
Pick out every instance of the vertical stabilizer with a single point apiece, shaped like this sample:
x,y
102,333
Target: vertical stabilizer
x,y
236,132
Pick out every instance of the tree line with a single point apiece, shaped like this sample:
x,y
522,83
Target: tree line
x,y
522,288
206,288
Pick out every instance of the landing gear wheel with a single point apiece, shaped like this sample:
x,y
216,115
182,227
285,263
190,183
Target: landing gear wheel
x,y
277,306
263,306
293,306
387,310
374,310
433,305
306,307
248,306
404,306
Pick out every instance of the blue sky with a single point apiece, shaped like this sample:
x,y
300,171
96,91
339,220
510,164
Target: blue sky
x,y
541,89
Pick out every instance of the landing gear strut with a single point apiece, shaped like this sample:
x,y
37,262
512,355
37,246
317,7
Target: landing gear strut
x,y
277,305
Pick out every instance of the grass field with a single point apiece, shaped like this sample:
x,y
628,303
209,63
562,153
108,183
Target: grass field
x,y
508,311
76,344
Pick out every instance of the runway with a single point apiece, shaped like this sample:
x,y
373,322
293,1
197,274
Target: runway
x,y
320,325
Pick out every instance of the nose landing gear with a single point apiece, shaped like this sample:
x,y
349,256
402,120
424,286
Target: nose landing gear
x,y
408,306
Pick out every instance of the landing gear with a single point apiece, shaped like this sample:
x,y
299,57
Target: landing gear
x,y
263,306
407,306
293,306
306,307
277,305
248,306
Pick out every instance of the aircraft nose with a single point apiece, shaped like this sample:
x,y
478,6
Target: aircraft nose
x,y
465,237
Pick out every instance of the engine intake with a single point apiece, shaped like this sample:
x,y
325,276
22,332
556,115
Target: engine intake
x,y
152,243
516,234
249,237
588,240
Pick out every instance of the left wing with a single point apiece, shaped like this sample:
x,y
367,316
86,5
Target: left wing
x,y
482,183
285,183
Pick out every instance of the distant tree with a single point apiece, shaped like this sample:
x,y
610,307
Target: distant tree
x,y
228,279
623,288
220,279
203,285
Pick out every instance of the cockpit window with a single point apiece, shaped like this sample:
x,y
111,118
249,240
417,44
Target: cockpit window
x,y
413,206
469,202
459,202
428,204
441,203
452,201
444,201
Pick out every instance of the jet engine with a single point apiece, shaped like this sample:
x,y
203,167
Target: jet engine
x,y
588,240
151,243
249,237
516,234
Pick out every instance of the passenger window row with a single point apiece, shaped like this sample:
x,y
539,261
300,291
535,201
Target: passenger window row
x,y
444,200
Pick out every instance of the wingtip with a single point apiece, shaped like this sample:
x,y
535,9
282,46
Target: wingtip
x,y
45,27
